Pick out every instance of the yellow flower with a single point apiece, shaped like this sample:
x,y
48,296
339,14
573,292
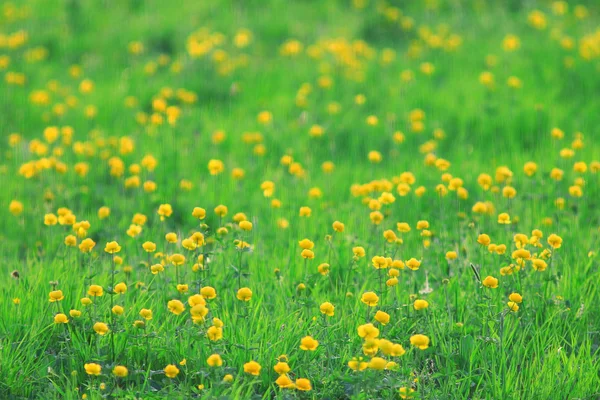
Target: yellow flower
x,y
120,371
308,254
490,282
120,288
483,239
305,211
308,343
281,368
284,382
375,157
368,331
60,319
420,341
164,210
513,306
244,294
56,295
451,255
112,247
95,290
303,384
504,218
252,368
75,313
377,363
221,210
214,360
171,371
15,207
382,317
118,310
338,226
101,328
214,333
149,247
92,369
50,219
516,297
327,309
199,213
555,241
86,245
177,259
413,264
420,304
208,292
358,251
156,268
370,298
357,364
406,393
246,225
176,306
103,212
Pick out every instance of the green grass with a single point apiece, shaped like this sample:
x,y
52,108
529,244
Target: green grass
x,y
479,349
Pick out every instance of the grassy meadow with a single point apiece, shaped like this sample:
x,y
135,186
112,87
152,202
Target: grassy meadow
x,y
344,199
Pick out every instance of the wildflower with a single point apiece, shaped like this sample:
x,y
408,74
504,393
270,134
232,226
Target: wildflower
x,y
327,309
171,371
308,343
92,369
420,341
338,226
382,317
214,333
56,295
101,328
377,363
95,290
368,331
244,294
214,360
246,225
252,368
483,239
284,382
281,368
513,306
112,247
413,264
176,306
60,319
490,282
451,255
199,213
120,371
208,292
420,304
370,298
149,247
406,393
303,384
120,288
516,297
358,252
555,241
86,245
357,364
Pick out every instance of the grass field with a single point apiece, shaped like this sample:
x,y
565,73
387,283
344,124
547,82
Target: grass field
x,y
344,199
